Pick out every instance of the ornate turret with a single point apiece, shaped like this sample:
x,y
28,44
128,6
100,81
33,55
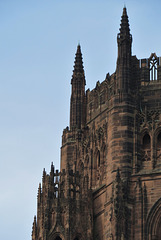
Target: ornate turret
x,y
124,41
77,105
123,111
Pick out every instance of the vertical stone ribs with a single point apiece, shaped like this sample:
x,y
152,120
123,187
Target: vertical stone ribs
x,y
77,104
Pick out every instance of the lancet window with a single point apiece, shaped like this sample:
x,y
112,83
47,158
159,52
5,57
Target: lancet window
x,y
153,64
146,147
146,141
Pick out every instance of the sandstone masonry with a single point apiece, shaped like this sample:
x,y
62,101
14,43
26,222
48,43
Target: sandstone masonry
x,y
109,184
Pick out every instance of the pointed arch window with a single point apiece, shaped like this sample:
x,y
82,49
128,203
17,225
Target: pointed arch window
x,y
154,221
153,65
146,147
146,141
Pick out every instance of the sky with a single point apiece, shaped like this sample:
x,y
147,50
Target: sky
x,y
38,41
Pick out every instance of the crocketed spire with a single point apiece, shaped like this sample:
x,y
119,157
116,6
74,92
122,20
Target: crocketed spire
x,y
78,63
124,26
77,106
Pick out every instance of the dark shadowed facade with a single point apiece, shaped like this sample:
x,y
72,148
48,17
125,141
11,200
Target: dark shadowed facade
x,y
109,185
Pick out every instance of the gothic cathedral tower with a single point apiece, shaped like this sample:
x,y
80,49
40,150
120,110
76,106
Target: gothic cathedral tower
x,y
109,184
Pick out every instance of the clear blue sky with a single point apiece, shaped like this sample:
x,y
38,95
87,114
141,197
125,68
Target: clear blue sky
x,y
38,40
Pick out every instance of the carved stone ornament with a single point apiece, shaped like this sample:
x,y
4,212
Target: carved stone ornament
x,y
148,119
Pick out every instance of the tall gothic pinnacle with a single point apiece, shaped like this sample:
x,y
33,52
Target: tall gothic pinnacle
x,y
124,26
77,104
78,63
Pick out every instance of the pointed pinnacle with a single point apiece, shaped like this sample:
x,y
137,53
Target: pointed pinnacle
x,y
78,63
39,193
124,26
52,168
78,48
44,172
124,11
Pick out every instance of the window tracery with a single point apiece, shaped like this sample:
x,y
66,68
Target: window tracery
x,y
153,65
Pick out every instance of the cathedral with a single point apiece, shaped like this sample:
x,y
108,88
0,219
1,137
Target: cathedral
x,y
109,183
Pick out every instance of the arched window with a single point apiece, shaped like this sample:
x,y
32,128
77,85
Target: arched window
x,y
154,221
146,147
153,62
159,140
146,141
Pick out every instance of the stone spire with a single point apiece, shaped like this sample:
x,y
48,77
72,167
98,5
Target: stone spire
x,y
78,65
124,26
124,41
77,105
